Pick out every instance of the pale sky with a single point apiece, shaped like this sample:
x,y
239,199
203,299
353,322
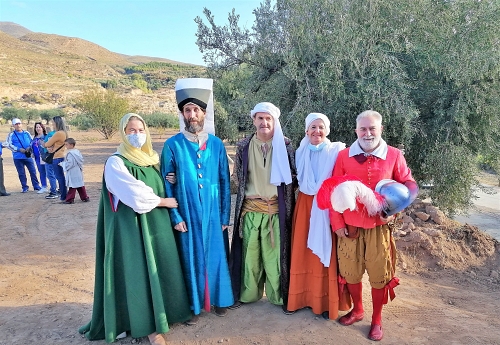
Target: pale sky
x,y
156,28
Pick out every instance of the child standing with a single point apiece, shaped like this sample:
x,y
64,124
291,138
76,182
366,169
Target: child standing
x,y
73,169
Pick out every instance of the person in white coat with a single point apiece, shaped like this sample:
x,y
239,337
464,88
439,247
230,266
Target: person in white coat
x,y
73,170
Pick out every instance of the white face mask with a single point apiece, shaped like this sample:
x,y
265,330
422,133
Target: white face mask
x,y
137,139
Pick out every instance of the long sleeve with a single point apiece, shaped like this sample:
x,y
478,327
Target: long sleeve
x,y
337,218
168,166
225,187
17,141
69,162
58,137
9,143
127,189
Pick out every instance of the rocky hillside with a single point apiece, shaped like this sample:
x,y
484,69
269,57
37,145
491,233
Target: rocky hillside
x,y
55,69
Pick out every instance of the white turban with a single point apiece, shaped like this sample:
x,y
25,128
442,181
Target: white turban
x,y
314,116
198,91
280,171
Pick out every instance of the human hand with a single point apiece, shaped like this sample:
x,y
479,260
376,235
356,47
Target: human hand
x,y
341,232
168,202
181,227
388,219
171,178
224,227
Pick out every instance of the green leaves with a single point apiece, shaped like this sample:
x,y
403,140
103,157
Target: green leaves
x,y
105,109
431,68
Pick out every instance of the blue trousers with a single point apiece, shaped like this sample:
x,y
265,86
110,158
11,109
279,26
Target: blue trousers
x,y
59,172
49,171
21,172
41,171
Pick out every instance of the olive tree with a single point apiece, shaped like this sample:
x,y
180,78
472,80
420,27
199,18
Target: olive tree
x,y
9,113
105,108
431,68
48,114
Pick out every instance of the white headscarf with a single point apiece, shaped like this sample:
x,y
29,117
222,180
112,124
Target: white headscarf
x,y
320,236
280,171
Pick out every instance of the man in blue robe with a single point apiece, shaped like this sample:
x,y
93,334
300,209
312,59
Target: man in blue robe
x,y
198,160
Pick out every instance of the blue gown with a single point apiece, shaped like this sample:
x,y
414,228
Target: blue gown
x,y
202,190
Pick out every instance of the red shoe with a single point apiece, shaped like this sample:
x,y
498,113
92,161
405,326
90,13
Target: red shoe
x,y
376,333
350,318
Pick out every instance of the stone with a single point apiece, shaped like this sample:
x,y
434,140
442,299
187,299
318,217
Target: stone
x,y
431,232
411,226
423,216
494,274
407,219
431,209
438,216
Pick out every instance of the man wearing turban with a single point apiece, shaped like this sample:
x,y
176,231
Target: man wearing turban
x,y
260,251
198,159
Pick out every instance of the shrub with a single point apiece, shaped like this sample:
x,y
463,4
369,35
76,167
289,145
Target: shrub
x,y
8,113
225,127
82,122
32,114
48,114
104,108
161,120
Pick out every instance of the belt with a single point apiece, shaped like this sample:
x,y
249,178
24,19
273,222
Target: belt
x,y
262,205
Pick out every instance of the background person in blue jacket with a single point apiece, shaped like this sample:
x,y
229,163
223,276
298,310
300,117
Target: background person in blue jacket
x,y
18,141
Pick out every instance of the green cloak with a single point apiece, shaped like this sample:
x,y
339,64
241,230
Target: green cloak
x,y
139,286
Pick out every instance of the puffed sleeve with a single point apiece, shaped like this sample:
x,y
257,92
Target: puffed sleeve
x,y
126,188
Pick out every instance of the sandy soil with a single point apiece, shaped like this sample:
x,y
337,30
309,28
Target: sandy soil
x,y
449,293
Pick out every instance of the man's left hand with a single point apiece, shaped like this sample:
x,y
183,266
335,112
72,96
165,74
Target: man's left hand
x,y
224,227
388,219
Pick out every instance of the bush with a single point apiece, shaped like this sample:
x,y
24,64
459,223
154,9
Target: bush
x,y
48,114
8,113
489,162
32,114
82,122
161,120
225,127
104,108
109,84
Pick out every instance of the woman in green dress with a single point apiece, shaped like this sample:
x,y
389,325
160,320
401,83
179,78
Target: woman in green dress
x,y
139,286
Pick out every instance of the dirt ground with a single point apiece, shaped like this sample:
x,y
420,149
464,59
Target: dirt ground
x,y
449,292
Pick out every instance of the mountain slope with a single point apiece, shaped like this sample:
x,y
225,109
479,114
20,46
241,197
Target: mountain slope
x,y
13,29
74,46
55,69
27,68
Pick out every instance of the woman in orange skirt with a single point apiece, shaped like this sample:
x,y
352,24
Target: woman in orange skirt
x,y
313,270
